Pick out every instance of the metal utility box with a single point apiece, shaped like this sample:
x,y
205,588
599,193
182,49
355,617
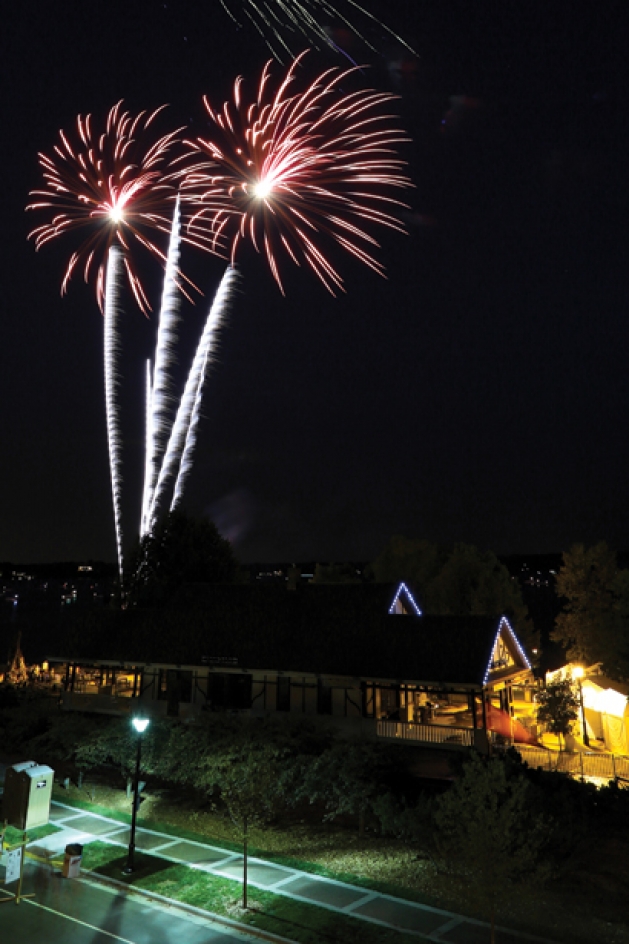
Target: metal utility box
x,y
27,795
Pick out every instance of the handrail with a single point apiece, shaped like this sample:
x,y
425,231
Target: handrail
x,y
426,733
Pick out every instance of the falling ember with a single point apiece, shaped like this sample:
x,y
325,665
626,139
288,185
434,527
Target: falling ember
x,y
112,184
279,21
295,171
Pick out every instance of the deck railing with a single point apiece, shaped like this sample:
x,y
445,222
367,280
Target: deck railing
x,y
581,764
426,733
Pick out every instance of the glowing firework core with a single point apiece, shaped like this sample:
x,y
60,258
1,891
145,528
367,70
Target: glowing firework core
x,y
263,188
117,176
327,156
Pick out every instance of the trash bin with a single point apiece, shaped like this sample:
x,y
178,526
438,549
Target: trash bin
x,y
72,860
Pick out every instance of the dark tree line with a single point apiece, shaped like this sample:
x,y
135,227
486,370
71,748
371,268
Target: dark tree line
x,y
593,625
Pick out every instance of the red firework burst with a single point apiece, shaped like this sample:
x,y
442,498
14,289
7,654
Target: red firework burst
x,y
114,184
292,170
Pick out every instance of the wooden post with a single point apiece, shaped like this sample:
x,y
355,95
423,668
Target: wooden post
x,y
19,884
244,864
471,698
19,845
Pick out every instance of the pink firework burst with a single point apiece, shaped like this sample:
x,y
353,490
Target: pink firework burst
x,y
295,171
113,184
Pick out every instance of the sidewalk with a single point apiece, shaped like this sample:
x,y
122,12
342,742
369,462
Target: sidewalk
x,y
432,924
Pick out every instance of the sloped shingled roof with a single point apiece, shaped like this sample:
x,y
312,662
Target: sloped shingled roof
x,y
336,630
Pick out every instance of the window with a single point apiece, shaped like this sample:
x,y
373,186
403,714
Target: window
x,y
283,693
324,698
216,690
239,692
228,691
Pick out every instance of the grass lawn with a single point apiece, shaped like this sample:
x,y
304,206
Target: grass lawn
x,y
13,836
590,907
306,924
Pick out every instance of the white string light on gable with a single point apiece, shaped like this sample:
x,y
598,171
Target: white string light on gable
x,y
504,621
400,589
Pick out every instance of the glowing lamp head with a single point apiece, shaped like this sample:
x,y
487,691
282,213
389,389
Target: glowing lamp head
x,y
140,724
578,672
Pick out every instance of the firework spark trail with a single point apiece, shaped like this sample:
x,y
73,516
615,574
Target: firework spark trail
x,y
187,456
148,446
273,19
289,171
182,436
163,403
112,347
115,187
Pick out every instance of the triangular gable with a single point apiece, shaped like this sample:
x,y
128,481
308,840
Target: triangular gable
x,y
506,652
403,603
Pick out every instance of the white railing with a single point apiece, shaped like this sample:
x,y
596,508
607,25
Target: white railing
x,y
426,733
580,764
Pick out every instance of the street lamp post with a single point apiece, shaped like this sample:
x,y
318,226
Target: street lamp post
x,y
578,673
140,725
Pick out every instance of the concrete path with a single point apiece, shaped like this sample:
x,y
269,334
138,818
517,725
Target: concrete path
x,y
433,924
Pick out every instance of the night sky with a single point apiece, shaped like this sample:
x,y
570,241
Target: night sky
x,y
479,394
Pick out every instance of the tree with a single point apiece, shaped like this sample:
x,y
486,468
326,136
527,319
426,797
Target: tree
x,y
459,581
352,777
248,776
558,707
593,625
181,551
417,562
474,582
336,573
486,834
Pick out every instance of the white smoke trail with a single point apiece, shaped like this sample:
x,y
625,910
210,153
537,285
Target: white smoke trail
x,y
182,437
187,457
162,407
148,465
112,313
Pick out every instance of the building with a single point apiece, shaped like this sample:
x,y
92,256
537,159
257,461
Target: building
x,y
361,656
603,707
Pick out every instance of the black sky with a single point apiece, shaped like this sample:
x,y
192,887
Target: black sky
x,y
478,394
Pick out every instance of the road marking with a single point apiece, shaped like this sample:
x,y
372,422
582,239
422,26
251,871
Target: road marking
x,y
438,933
92,927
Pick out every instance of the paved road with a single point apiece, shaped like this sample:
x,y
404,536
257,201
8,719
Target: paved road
x,y
78,912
